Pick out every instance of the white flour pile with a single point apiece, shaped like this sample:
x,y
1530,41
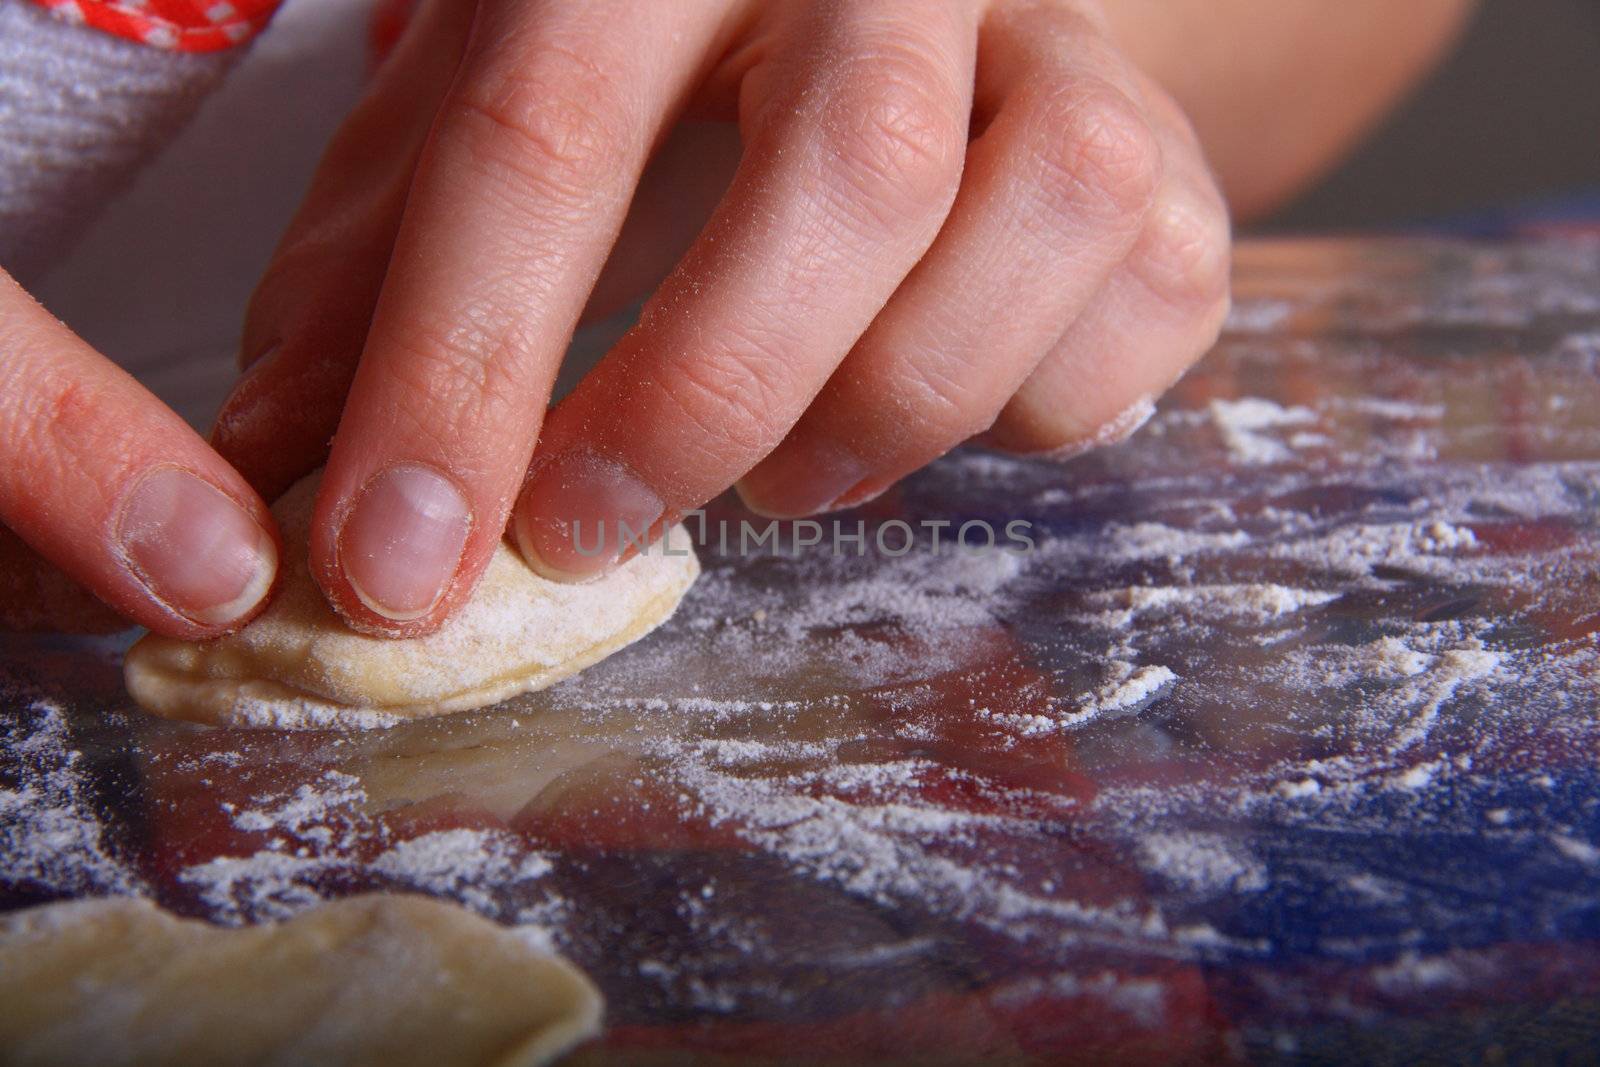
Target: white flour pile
x,y
1255,602
50,835
320,829
1241,422
1202,862
53,841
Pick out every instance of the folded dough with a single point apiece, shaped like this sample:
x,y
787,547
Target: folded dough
x,y
390,980
298,665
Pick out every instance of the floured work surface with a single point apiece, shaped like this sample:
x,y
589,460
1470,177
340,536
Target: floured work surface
x,y
1282,743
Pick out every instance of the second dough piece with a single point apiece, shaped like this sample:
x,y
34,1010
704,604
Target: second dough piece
x,y
400,981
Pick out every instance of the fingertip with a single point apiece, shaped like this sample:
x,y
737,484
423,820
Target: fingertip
x,y
581,513
755,498
1032,436
200,553
806,475
394,550
526,537
275,426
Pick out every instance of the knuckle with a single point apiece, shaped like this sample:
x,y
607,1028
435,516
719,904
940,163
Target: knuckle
x,y
58,424
950,405
740,400
45,394
465,373
556,125
895,139
1183,254
1096,152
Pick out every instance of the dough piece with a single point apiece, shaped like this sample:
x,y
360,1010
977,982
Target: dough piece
x,y
390,980
298,666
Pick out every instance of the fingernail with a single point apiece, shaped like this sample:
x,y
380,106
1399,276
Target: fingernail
x,y
401,544
580,512
1117,429
195,549
244,399
259,358
822,478
864,492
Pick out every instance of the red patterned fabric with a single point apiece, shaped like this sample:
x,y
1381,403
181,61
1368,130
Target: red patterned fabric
x,y
179,25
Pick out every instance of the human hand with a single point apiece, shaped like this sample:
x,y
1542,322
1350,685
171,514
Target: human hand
x,y
110,487
945,220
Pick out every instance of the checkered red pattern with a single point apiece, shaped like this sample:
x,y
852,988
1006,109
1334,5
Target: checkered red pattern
x,y
179,25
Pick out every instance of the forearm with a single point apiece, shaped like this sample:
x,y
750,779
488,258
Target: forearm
x,y
1279,90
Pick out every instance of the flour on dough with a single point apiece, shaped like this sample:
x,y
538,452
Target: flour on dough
x,y
393,980
298,666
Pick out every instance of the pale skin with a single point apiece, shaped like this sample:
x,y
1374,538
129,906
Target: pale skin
x,y
872,230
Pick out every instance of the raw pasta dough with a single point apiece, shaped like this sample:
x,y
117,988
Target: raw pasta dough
x,y
390,980
298,665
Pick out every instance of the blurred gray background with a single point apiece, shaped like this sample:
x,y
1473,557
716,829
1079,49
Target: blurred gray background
x,y
1512,116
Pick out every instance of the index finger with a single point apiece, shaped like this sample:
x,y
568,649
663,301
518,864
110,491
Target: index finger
x,y
516,200
107,483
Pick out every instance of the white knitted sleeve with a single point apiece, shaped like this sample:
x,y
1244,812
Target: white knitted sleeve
x,y
80,112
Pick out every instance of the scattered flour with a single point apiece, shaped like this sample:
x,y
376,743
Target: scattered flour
x,y
1141,1000
321,829
1426,548
1575,849
1257,602
1129,687
918,591
1413,972
50,835
1394,410
1454,669
1154,540
1443,537
1201,862
265,885
1258,315
1390,657
1421,776
465,864
308,812
894,844
1241,422
1298,789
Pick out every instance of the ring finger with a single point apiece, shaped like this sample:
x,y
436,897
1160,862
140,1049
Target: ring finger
x,y
1054,195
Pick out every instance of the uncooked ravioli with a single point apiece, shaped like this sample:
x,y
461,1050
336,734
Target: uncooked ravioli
x,y
391,980
298,665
